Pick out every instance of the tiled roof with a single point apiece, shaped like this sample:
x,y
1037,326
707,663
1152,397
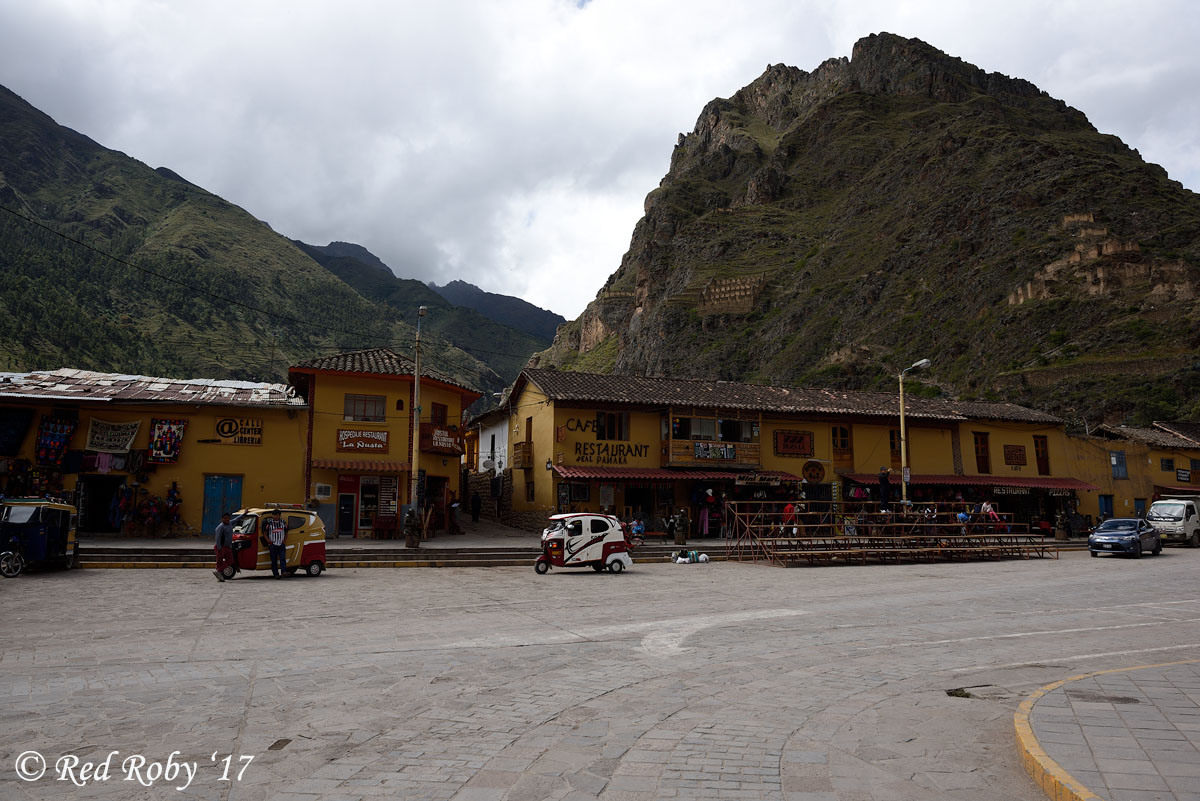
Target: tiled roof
x,y
1150,436
86,386
1189,431
375,361
561,385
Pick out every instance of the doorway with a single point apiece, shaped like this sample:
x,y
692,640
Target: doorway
x,y
347,513
98,509
221,494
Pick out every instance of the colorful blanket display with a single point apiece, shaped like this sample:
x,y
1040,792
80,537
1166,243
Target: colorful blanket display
x,y
106,437
53,438
165,438
13,425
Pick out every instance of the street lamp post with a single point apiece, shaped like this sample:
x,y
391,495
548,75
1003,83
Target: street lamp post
x,y
922,364
416,414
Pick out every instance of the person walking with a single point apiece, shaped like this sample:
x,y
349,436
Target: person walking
x,y
223,546
476,506
276,533
885,488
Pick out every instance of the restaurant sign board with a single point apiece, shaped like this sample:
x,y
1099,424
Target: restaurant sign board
x,y
362,441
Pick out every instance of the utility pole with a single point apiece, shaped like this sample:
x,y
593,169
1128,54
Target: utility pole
x,y
923,363
416,413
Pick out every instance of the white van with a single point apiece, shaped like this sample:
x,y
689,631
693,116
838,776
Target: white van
x,y
1176,519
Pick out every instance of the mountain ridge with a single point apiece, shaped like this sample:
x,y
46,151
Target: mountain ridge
x,y
830,227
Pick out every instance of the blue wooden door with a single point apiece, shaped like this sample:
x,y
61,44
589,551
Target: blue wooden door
x,y
221,494
1106,506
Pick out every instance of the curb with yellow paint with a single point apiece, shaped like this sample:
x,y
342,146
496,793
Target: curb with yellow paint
x,y
1049,775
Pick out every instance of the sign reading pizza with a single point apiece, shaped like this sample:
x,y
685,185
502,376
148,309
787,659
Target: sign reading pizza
x,y
362,441
794,443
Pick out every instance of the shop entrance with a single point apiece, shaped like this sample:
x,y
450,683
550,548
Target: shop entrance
x,y
346,514
97,499
435,500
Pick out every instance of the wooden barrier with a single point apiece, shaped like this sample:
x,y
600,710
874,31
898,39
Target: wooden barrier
x,y
815,532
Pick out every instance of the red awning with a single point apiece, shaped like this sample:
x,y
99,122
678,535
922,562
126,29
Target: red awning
x,y
1039,482
662,474
361,465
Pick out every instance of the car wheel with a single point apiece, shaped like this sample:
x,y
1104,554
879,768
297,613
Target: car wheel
x,y
1137,550
616,566
315,568
1194,540
1157,547
11,564
1093,553
228,571
542,568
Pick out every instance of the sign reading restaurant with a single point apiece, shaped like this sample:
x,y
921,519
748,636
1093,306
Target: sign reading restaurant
x,y
358,440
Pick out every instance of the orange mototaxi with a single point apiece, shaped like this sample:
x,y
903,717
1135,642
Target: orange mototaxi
x,y
584,539
305,541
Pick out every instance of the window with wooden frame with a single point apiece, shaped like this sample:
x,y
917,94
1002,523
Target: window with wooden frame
x,y
1166,465
983,455
438,414
841,440
894,442
1117,460
365,408
612,426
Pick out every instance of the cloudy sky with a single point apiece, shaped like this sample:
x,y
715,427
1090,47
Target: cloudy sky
x,y
511,144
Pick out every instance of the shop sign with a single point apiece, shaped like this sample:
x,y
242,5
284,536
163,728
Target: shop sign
x,y
755,480
239,430
362,441
1183,476
794,443
438,438
1014,454
714,450
1010,490
608,452
1061,493
813,472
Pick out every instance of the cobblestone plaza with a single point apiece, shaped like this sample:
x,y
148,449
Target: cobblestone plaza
x,y
714,680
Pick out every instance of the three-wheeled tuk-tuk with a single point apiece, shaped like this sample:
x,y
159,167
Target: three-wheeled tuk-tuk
x,y
305,540
584,540
36,532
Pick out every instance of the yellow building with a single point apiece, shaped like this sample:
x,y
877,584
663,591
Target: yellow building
x,y
1133,466
142,455
652,446
358,451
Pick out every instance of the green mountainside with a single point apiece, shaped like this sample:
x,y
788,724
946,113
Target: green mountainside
x,y
207,290
513,312
505,349
830,228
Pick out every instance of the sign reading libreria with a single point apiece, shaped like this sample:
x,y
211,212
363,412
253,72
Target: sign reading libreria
x,y
360,440
240,430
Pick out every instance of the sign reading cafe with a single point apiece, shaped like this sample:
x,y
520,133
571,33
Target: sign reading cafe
x,y
358,440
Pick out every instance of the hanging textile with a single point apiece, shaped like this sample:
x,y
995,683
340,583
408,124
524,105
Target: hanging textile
x,y
107,437
13,425
53,436
166,436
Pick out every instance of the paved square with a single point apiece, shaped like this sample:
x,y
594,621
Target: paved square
x,y
670,681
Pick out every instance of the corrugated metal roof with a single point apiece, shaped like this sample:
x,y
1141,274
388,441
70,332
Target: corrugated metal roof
x,y
561,385
91,387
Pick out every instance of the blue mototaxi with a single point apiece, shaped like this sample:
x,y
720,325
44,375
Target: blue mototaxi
x,y
36,532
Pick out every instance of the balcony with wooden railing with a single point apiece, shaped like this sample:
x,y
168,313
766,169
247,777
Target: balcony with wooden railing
x,y
522,455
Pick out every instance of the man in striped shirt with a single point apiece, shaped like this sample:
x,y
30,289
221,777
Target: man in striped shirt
x,y
276,533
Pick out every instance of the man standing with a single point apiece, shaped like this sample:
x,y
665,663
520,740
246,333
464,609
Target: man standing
x,y
223,547
885,488
476,506
276,533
